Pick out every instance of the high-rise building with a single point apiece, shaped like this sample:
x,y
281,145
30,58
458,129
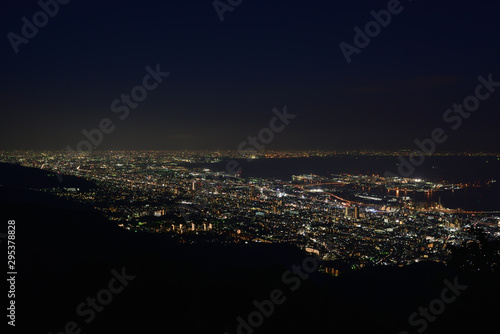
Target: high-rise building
x,y
253,192
356,212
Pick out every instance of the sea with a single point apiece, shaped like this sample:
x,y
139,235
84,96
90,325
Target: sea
x,y
481,171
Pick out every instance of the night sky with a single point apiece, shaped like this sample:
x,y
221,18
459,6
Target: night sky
x,y
226,77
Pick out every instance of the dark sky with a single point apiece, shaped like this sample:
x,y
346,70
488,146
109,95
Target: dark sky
x,y
226,77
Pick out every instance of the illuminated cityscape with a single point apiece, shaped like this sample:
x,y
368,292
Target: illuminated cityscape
x,y
360,220
250,167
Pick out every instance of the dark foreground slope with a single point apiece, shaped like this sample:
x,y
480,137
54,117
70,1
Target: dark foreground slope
x,y
66,255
